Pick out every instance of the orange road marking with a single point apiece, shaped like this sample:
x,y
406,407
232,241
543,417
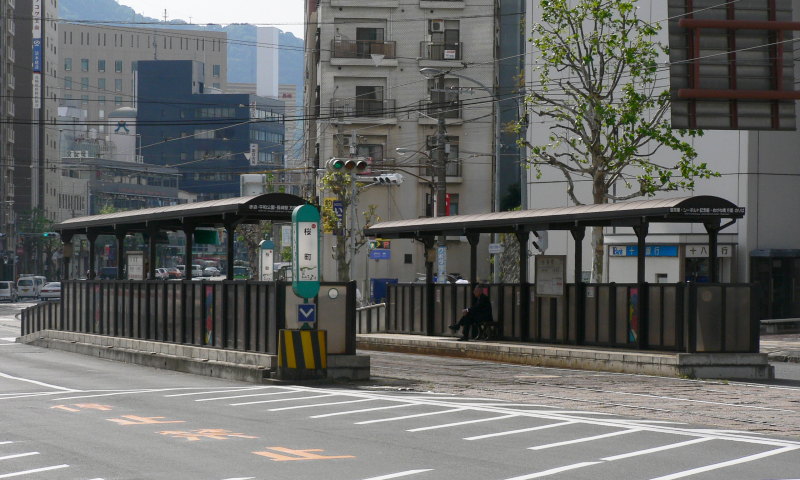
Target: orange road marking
x,y
64,407
93,406
134,420
195,435
299,455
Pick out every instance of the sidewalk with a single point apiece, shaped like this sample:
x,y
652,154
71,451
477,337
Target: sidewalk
x,y
781,347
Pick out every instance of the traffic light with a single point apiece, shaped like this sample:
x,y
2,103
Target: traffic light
x,y
389,179
346,165
49,234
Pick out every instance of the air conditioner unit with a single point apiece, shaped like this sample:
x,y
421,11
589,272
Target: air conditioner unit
x,y
437,26
345,141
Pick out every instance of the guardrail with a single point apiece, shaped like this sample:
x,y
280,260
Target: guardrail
x,y
371,319
683,317
42,316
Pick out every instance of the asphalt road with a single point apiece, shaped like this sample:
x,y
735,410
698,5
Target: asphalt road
x,y
67,416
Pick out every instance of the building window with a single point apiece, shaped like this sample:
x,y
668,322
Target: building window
x,y
102,114
118,85
101,65
118,66
101,100
216,70
102,129
84,83
117,100
84,99
68,83
215,85
101,83
68,64
84,65
215,112
67,97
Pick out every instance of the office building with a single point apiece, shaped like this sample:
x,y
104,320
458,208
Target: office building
x,y
211,137
99,62
8,242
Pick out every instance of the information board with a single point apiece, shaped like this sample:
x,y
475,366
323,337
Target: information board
x,y
550,275
135,265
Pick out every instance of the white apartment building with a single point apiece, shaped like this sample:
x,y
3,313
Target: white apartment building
x,y
7,85
99,62
759,171
362,72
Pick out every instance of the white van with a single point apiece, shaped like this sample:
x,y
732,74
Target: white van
x,y
40,283
8,291
26,287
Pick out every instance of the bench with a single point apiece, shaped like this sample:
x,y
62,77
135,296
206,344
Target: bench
x,y
780,325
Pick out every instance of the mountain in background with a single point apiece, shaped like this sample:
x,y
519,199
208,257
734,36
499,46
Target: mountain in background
x,y
241,39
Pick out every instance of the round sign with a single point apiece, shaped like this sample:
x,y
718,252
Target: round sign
x,y
333,294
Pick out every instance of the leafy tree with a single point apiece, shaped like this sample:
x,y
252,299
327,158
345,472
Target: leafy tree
x,y
597,67
339,185
37,238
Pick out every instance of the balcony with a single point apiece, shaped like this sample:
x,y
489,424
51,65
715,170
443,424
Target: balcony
x,y
11,57
452,110
441,51
365,108
10,29
359,52
10,108
10,135
10,81
452,169
12,3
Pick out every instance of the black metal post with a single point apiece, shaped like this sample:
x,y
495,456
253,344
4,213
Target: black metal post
x,y
643,295
473,239
641,235
524,286
713,233
92,237
580,302
188,230
151,270
120,234
430,256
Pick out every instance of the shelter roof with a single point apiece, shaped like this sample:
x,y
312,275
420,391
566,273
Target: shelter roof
x,y
213,213
699,209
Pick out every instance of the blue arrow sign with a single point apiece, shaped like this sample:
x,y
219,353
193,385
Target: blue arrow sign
x,y
306,313
338,209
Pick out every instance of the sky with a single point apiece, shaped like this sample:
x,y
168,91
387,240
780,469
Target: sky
x,y
284,14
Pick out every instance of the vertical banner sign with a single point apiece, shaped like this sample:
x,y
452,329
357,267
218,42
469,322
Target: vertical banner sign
x,y
37,91
209,295
37,54
442,262
305,251
253,154
266,262
633,315
253,110
286,236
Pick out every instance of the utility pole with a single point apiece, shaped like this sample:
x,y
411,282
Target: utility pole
x,y
353,152
441,174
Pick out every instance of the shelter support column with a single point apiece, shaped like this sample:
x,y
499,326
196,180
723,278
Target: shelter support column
x,y
580,300
66,241
188,230
230,229
430,256
639,320
713,235
473,239
524,286
152,235
120,234
92,238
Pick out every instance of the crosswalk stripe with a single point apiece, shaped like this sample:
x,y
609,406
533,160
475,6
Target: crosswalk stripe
x,y
18,455
411,416
522,430
286,399
363,410
657,449
460,423
399,474
245,396
35,470
586,439
553,471
729,463
295,407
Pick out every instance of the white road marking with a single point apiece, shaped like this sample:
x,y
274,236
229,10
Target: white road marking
x,y
35,470
523,430
716,466
411,416
9,339
461,423
553,471
240,478
656,449
124,392
399,474
320,404
286,399
245,396
42,384
586,439
215,391
6,442
364,410
18,455
9,344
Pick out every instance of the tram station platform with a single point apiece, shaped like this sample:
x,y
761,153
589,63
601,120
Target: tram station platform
x,y
751,366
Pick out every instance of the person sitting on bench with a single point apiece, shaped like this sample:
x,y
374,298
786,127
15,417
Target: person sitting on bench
x,y
480,311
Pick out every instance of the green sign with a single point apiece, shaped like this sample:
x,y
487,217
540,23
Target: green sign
x,y
305,251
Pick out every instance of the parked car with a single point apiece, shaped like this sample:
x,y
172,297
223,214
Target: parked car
x,y
26,287
174,273
107,273
211,272
197,271
40,283
51,290
182,268
162,274
8,292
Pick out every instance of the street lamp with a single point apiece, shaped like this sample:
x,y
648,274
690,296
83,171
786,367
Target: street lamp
x,y
431,72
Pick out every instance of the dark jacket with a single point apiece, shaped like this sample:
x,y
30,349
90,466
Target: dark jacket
x,y
481,309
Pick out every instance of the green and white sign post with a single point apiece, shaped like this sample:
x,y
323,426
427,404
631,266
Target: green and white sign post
x,y
266,250
305,251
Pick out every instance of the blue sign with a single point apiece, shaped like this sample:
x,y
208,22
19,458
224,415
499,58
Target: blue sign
x,y
652,251
338,209
306,313
380,254
37,55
